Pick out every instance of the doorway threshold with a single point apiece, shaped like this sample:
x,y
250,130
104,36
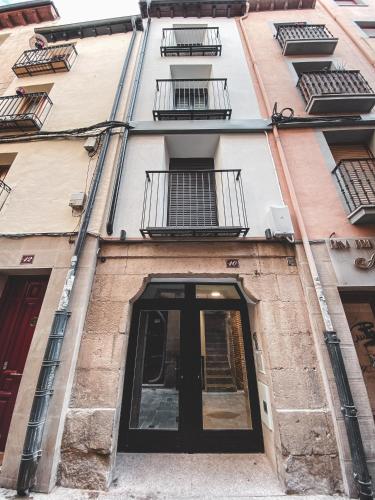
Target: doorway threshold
x,y
168,475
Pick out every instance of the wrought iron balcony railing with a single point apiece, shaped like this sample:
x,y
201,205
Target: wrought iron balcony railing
x,y
52,59
199,41
24,112
356,180
194,203
299,38
198,99
4,193
336,91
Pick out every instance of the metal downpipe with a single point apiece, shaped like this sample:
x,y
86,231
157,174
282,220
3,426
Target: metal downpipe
x,y
44,389
129,116
361,474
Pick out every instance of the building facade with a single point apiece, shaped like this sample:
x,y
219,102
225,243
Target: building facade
x,y
220,251
324,142
45,189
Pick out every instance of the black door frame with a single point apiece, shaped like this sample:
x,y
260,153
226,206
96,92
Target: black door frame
x,y
190,437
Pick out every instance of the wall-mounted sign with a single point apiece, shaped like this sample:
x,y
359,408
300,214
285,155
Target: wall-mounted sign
x,y
233,263
346,244
366,264
353,259
27,259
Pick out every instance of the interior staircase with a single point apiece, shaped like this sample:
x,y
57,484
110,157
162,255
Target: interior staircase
x,y
218,372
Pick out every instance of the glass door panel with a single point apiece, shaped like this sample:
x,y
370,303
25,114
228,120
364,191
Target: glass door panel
x,y
225,391
155,394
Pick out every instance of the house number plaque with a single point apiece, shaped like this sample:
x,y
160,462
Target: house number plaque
x,y
233,263
27,259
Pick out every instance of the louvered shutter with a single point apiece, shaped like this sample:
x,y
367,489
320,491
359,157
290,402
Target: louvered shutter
x,y
349,151
192,193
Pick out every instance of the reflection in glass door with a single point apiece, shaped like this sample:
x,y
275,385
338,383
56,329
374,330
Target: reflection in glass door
x,y
225,394
190,383
155,396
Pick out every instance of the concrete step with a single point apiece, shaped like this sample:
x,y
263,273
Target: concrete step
x,y
220,388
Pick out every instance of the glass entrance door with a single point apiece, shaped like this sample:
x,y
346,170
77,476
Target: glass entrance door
x,y
190,381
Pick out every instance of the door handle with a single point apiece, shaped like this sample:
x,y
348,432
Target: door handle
x,y
179,374
201,375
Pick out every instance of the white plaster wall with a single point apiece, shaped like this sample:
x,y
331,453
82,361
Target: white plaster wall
x,y
231,65
248,152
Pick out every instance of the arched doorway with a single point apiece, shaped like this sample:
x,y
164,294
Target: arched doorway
x,y
190,382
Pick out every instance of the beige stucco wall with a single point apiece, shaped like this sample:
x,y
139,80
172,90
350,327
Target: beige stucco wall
x,y
42,177
302,446
51,256
44,174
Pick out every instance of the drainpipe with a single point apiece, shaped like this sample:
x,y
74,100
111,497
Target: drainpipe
x,y
370,58
360,471
44,389
124,144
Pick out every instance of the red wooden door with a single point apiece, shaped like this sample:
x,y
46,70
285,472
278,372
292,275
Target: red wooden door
x,y
19,310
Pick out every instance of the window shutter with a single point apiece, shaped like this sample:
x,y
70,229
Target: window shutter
x,y
192,193
349,151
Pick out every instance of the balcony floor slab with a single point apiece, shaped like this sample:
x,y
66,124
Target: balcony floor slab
x,y
348,103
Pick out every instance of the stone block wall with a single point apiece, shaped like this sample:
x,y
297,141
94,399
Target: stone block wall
x,y
302,445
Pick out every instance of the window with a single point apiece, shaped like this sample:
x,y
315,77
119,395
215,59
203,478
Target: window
x,y
191,98
3,38
189,34
309,66
368,27
6,160
192,192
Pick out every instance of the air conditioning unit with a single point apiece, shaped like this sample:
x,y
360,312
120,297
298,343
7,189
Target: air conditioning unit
x,y
77,200
280,224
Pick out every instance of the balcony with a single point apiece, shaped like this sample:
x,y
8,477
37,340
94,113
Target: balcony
x,y
303,39
4,193
199,99
337,91
356,180
27,112
190,203
49,60
190,42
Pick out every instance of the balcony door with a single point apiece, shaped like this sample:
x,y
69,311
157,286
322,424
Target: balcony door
x,y
190,383
192,193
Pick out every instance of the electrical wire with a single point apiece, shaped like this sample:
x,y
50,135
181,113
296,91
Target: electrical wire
x,y
96,130
286,115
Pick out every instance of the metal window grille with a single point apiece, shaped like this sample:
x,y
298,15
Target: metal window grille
x,y
296,31
200,41
356,180
196,202
317,83
48,60
24,112
192,99
4,193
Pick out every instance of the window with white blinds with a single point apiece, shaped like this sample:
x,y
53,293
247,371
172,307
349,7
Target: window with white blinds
x,y
192,193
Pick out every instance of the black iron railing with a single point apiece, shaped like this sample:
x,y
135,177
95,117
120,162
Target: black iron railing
x,y
356,179
24,112
4,193
194,203
200,41
300,32
203,99
333,82
48,60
